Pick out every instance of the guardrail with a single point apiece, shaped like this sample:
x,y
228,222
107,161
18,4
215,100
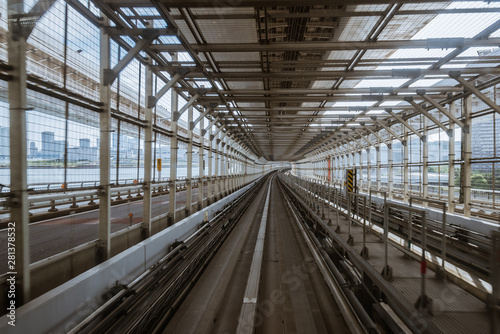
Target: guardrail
x,y
74,198
55,199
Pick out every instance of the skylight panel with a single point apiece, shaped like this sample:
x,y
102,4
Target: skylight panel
x,y
169,40
479,51
184,56
128,40
159,24
457,25
425,83
354,104
420,53
147,11
127,11
340,113
381,83
392,103
203,84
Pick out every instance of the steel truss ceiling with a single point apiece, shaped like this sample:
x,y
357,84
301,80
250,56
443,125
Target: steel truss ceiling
x,y
286,75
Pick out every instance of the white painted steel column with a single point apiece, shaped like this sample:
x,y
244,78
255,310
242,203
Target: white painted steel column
x,y
379,169
390,170
217,173
201,165
222,190
189,182
405,166
104,150
173,158
451,161
148,158
368,169
467,154
210,167
425,161
19,215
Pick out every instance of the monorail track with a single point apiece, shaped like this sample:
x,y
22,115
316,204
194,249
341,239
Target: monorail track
x,y
266,263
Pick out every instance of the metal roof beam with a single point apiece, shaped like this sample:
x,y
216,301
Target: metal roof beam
x,y
330,75
256,3
431,43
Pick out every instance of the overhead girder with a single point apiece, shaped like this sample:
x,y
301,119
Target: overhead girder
x,y
330,75
431,43
251,3
318,99
363,136
370,90
192,99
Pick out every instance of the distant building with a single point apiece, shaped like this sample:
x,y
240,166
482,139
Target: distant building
x,y
33,149
84,142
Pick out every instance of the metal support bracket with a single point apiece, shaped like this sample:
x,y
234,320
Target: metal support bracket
x,y
427,114
405,123
467,85
388,129
110,75
422,93
181,73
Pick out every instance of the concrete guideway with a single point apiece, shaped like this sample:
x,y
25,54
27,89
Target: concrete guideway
x,y
291,294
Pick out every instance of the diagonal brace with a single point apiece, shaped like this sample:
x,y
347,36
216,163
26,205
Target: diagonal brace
x,y
388,129
110,75
363,136
427,114
421,92
477,92
405,123
178,114
381,140
206,112
181,73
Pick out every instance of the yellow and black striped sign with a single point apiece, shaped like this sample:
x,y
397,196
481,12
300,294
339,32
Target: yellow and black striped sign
x,y
351,178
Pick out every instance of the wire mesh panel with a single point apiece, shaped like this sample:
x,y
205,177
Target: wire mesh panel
x,y
162,160
83,146
130,85
4,146
113,151
3,30
196,162
128,153
46,132
82,56
45,49
182,161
